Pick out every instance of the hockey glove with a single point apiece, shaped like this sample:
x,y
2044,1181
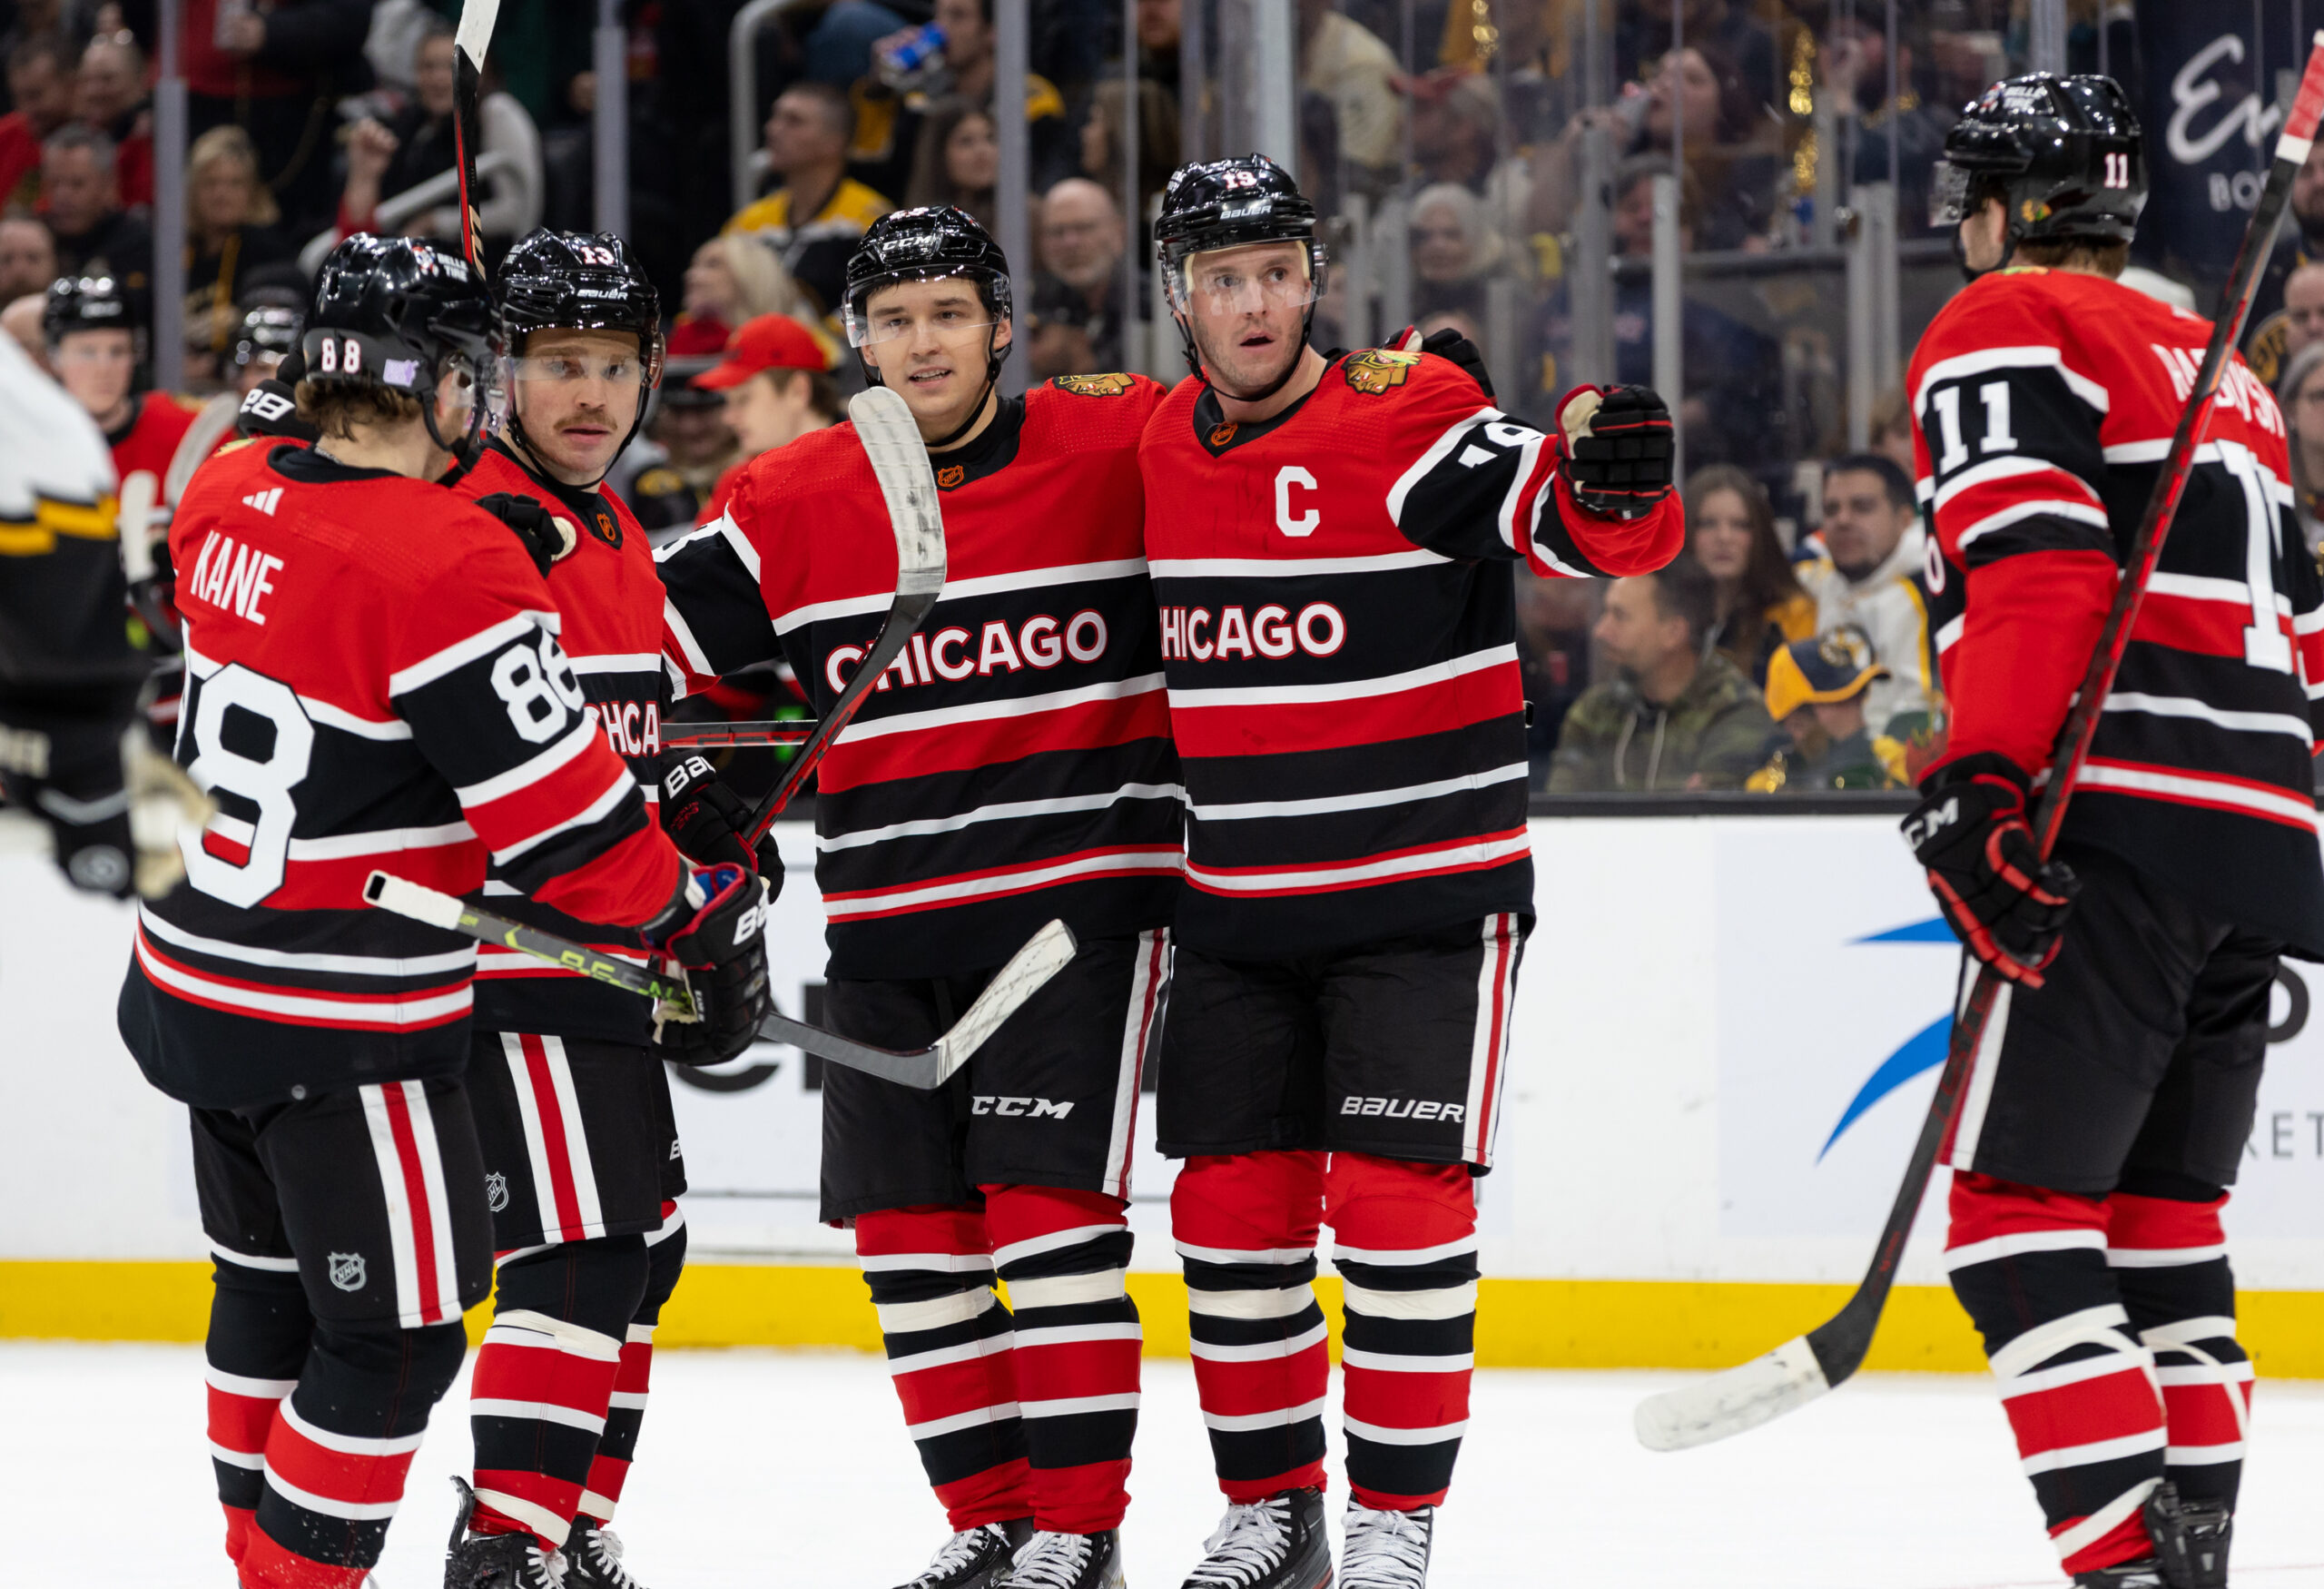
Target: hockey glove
x,y
272,407
1446,343
717,929
547,537
708,821
2006,904
1617,448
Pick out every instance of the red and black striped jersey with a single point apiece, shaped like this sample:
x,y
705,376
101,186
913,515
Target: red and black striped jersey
x,y
373,680
2043,403
609,599
148,445
1339,633
1015,765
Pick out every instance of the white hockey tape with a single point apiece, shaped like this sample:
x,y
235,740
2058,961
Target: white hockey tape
x,y
405,898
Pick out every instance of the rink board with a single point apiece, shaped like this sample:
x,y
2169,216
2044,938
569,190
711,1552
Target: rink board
x,y
1720,1058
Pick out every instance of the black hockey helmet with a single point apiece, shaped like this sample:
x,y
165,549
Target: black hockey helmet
x,y
2064,155
398,312
270,324
1229,203
569,281
85,303
925,243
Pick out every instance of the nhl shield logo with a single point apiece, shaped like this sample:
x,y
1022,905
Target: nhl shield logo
x,y
348,1271
1375,369
495,1192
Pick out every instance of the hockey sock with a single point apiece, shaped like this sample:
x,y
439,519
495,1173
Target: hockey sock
x,y
339,1449
1245,1229
544,1377
2170,1259
1404,1240
2079,1389
948,1343
1065,1256
665,1254
260,1332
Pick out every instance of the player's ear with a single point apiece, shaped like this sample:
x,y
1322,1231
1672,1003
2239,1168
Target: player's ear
x,y
1004,333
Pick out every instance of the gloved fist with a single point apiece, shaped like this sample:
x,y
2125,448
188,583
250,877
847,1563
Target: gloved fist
x,y
1619,452
1446,343
272,407
2006,904
717,929
547,537
708,821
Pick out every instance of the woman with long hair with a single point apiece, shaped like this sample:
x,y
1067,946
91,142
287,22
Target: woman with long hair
x,y
958,162
1731,533
232,229
732,278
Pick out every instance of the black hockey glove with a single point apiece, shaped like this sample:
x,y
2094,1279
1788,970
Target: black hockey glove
x,y
717,929
706,821
1617,448
2006,904
68,774
547,537
1446,343
272,407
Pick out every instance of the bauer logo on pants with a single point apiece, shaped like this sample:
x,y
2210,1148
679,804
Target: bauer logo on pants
x,y
347,1270
1396,1109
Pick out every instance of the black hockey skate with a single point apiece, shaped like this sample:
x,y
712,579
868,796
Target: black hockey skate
x,y
1385,1549
1067,1561
496,1561
974,1558
2190,1538
1275,1544
592,1559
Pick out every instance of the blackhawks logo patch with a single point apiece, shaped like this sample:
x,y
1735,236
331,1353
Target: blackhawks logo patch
x,y
1093,385
1375,369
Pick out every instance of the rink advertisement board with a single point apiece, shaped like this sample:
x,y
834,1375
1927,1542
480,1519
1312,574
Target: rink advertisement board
x,y
2211,107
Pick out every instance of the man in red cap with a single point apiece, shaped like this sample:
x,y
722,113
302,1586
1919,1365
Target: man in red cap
x,y
776,380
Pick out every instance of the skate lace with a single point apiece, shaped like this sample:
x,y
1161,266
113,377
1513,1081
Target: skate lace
x,y
601,1549
953,1554
1250,1540
1049,1561
1384,1550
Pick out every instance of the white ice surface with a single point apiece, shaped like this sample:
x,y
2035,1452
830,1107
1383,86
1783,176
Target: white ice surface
x,y
765,1469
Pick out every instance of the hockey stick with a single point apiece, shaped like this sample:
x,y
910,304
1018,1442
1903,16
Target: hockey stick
x,y
468,46
1808,1365
898,457
722,735
1044,954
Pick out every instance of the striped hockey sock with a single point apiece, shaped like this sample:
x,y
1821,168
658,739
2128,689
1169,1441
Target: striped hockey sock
x,y
665,1251
1065,1256
1404,1238
1246,1227
2080,1388
260,1332
2169,1258
948,1342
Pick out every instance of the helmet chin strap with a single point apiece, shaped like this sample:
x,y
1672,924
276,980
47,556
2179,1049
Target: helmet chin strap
x,y
471,445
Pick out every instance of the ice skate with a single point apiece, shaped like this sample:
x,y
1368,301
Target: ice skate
x,y
2146,1572
1385,1549
1274,1544
1067,1561
974,1558
592,1559
496,1561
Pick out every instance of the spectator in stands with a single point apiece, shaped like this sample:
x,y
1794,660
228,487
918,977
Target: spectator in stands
x,y
734,278
27,256
40,84
1891,427
1454,251
1350,66
398,155
1759,607
817,211
1157,139
388,161
687,447
1456,138
1677,715
1077,298
109,94
1855,69
777,382
1642,35
2303,309
1552,659
94,236
22,320
1160,27
959,160
1817,691
232,231
2302,398
1870,578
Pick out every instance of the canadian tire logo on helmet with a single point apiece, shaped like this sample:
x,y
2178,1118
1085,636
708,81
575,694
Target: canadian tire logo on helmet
x,y
347,1270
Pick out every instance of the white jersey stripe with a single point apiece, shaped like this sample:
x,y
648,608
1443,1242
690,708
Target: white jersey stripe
x,y
1294,568
1148,975
1390,684
1472,854
529,1104
461,652
403,1252
2189,706
1035,875
1438,451
2281,805
375,965
580,1166
383,1010
981,711
597,809
1978,1095
531,770
1987,359
439,1204
1363,800
1001,811
961,589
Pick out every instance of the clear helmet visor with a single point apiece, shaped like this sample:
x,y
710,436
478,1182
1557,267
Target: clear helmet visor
x,y
1948,194
1258,278
882,314
572,369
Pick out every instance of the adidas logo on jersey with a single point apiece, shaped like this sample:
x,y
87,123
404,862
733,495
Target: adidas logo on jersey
x,y
266,501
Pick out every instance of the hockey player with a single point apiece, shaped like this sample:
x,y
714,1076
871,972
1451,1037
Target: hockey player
x,y
1013,765
93,345
1333,543
571,1104
2109,1104
376,682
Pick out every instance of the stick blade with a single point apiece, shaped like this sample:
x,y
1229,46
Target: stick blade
x,y
891,440
473,36
1043,955
1728,1403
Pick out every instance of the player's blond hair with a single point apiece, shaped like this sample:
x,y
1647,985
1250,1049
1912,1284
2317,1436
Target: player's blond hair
x,y
336,410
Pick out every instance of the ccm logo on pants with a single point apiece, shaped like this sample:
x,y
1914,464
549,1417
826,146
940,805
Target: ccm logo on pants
x,y
1396,1109
1035,1107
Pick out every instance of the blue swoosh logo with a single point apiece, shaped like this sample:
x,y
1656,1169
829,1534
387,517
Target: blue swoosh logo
x,y
1922,1052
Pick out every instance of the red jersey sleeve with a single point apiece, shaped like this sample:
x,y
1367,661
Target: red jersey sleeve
x,y
722,594
493,703
1476,483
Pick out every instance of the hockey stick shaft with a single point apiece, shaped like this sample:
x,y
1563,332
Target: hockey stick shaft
x,y
1826,1357
891,440
724,736
469,44
421,903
